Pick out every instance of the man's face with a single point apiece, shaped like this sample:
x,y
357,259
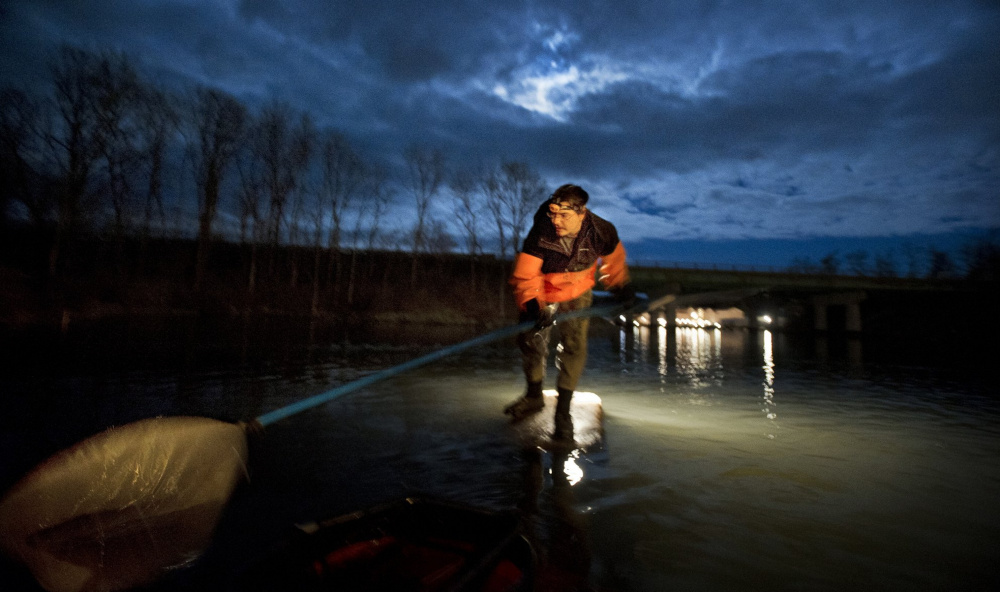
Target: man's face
x,y
566,220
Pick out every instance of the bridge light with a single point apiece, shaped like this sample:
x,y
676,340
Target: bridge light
x,y
766,319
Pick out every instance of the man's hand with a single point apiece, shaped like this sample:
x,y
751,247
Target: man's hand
x,y
535,312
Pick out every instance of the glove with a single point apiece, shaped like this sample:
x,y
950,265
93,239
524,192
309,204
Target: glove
x,y
535,312
625,295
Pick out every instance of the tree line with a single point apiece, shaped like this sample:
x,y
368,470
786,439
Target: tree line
x,y
978,260
104,151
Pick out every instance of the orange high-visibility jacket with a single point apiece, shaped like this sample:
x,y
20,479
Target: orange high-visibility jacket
x,y
547,271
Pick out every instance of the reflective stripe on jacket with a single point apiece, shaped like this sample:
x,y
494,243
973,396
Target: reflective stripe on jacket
x,y
547,271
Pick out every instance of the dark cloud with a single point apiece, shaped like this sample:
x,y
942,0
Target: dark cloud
x,y
406,41
698,118
266,11
653,205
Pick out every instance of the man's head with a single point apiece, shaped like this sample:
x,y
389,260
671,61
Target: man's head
x,y
567,207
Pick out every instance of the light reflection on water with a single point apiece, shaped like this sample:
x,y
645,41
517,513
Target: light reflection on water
x,y
878,476
769,378
862,484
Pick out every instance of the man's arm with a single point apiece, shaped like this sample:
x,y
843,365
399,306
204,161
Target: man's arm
x,y
527,280
614,271
616,278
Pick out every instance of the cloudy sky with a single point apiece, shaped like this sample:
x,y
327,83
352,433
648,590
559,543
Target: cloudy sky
x,y
739,131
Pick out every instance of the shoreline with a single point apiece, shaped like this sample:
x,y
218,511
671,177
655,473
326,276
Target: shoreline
x,y
62,318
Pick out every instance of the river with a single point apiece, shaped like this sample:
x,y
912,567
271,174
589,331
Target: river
x,y
731,460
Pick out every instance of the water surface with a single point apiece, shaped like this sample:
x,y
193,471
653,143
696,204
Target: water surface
x,y
731,459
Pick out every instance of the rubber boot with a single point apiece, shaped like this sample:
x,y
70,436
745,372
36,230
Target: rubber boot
x,y
531,402
564,421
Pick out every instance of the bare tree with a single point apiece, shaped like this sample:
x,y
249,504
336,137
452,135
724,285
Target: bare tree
x,y
72,140
296,229
281,150
218,120
521,191
426,174
465,190
160,119
116,104
438,240
941,266
372,205
272,175
20,174
303,141
514,192
830,263
252,224
803,265
378,196
490,182
857,262
341,174
913,256
316,216
982,258
885,265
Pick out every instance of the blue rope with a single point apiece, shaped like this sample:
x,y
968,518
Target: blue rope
x,y
350,387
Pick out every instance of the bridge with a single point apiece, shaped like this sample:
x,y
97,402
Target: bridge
x,y
777,299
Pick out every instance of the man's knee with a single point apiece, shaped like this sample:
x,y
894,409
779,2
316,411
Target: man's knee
x,y
532,343
574,337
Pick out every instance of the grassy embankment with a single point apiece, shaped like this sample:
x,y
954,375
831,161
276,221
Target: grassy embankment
x,y
99,279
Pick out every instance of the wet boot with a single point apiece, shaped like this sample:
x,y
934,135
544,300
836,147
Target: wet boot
x,y
531,402
564,421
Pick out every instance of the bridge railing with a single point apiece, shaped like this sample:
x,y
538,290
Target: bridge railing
x,y
786,270
707,266
790,276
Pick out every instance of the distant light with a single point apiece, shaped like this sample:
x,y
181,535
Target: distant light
x,y
697,323
621,318
662,321
766,319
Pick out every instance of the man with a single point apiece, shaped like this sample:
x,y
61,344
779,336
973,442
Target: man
x,y
555,273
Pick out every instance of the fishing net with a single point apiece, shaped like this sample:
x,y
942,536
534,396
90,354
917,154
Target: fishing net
x,y
116,509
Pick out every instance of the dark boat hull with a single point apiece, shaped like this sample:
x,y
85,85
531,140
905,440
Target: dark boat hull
x,y
410,545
